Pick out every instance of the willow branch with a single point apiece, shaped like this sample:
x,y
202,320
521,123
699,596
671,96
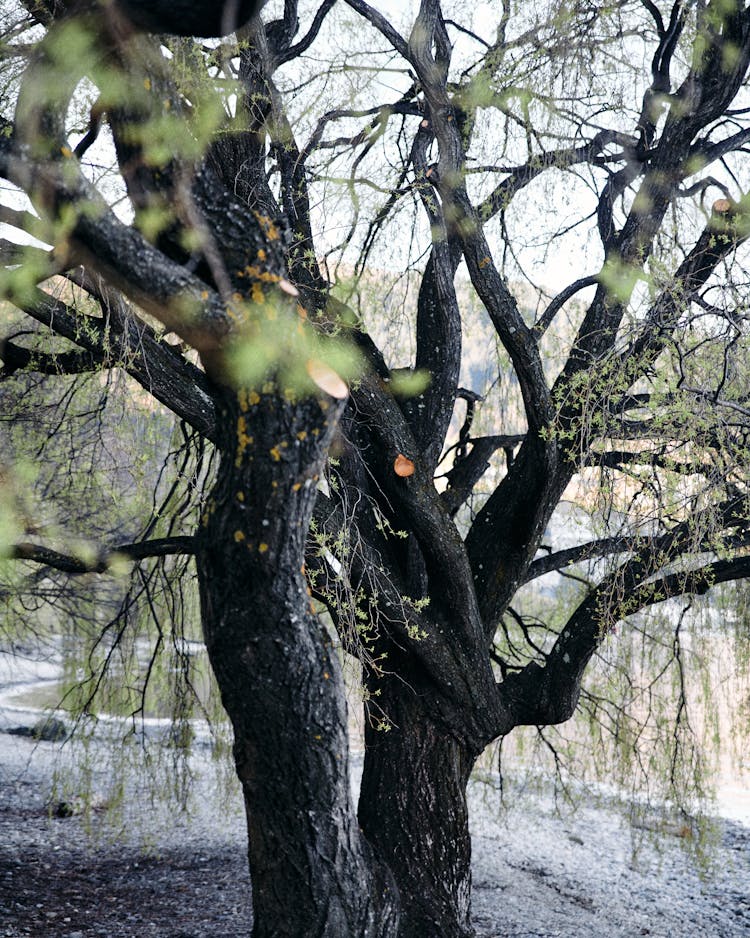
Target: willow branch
x,y
76,566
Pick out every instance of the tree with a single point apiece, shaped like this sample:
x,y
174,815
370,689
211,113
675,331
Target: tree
x,y
240,160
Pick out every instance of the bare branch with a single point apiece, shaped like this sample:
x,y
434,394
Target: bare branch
x,y
310,36
17,358
382,25
520,176
468,470
76,566
545,320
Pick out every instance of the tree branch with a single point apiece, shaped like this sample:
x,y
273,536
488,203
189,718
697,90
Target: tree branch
x,y
382,25
728,227
545,320
17,358
467,471
310,36
157,366
549,693
99,241
76,566
520,176
603,547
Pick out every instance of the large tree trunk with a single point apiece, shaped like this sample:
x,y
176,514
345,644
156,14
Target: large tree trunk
x,y
312,872
413,810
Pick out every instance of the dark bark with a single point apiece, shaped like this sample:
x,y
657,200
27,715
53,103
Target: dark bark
x,y
438,352
312,872
413,809
161,547
507,531
209,18
203,18
132,345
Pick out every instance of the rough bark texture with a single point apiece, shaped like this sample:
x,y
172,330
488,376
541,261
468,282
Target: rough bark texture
x,y
312,873
412,808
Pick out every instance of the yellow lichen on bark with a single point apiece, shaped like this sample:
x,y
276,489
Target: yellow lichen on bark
x,y
243,439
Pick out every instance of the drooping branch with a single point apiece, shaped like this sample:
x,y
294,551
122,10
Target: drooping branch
x,y
99,241
157,366
17,358
548,693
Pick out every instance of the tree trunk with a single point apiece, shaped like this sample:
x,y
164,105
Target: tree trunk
x,y
413,810
312,872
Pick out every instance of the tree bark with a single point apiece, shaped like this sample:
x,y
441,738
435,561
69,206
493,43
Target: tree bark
x,y
312,872
412,809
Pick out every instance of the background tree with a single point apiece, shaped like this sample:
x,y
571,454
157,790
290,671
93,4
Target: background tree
x,y
260,182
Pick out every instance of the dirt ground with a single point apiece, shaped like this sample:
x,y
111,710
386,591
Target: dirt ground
x,y
536,875
56,883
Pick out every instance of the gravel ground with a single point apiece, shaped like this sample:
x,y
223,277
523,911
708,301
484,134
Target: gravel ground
x,y
536,875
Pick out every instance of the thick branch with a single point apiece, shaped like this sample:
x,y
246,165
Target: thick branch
x,y
603,547
99,241
310,36
439,343
549,693
414,498
396,623
703,96
728,227
382,25
17,358
545,320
